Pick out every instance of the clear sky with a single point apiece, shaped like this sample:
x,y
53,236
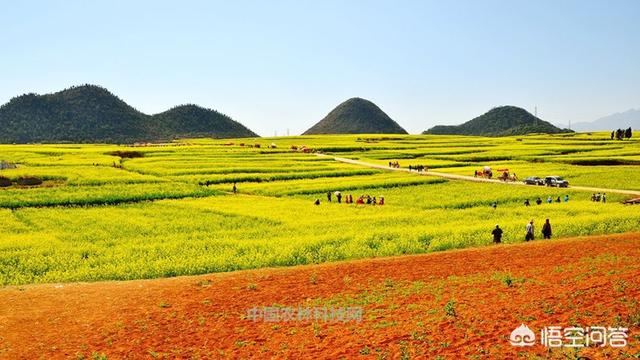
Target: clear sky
x,y
277,65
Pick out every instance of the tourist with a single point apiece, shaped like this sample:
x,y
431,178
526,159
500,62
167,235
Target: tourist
x,y
497,234
546,230
530,231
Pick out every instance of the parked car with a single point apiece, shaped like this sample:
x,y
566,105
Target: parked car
x,y
533,180
556,181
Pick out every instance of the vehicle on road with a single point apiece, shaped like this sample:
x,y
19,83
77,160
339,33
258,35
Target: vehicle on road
x,y
486,173
556,181
506,176
533,180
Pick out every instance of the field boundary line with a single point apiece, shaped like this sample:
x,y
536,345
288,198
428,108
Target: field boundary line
x,y
471,178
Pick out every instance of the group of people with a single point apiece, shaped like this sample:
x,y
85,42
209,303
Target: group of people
x,y
394,164
599,198
348,199
538,201
418,168
549,200
369,200
529,232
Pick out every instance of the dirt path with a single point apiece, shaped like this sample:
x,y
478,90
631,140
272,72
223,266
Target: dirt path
x,y
471,178
454,304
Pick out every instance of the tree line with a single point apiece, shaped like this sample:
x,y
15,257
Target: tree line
x,y
621,134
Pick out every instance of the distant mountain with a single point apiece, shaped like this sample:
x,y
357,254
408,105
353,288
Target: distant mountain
x,y
91,113
500,121
629,118
356,116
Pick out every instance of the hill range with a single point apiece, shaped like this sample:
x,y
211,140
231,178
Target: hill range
x,y
92,114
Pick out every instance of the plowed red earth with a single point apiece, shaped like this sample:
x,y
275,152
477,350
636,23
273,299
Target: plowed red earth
x,y
591,281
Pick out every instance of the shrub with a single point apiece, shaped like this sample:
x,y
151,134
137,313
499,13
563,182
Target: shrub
x,y
29,181
450,308
126,154
4,182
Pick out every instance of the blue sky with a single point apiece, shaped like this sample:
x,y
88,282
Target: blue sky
x,y
278,65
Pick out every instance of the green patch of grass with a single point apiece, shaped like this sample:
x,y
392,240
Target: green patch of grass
x,y
450,308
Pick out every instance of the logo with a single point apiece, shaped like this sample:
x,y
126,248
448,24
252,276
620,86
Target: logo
x,y
522,336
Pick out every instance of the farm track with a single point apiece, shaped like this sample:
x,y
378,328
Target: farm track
x,y
403,300
475,179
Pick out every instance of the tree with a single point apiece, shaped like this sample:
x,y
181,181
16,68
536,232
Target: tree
x,y
628,133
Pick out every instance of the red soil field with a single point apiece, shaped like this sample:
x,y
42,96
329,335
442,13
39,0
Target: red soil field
x,y
449,305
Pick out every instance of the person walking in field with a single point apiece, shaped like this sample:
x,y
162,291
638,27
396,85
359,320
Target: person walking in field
x,y
339,197
529,232
566,198
235,188
494,205
527,203
381,201
538,201
549,200
317,202
546,230
497,234
604,198
329,196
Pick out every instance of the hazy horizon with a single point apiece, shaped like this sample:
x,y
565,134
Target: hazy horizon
x,y
285,64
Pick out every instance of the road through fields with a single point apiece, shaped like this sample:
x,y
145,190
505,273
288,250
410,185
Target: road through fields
x,y
476,179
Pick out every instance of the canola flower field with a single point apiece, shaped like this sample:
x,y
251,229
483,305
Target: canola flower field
x,y
107,212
